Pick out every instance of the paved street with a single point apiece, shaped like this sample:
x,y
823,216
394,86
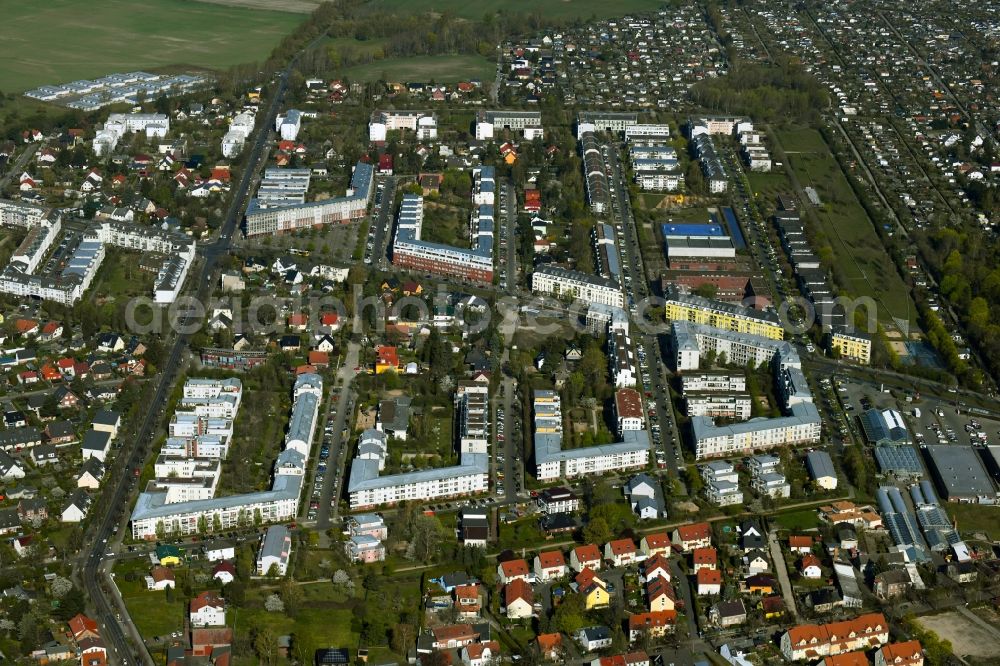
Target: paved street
x,y
637,292
126,645
781,569
340,449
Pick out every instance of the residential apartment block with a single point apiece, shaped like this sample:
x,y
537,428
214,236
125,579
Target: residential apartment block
x,y
267,215
812,641
422,123
475,263
552,462
366,488
563,282
154,515
719,314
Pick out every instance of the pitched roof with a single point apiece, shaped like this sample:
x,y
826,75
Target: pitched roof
x,y
551,558
657,540
652,620
517,589
587,553
622,546
205,599
695,531
515,568
705,556
80,624
709,577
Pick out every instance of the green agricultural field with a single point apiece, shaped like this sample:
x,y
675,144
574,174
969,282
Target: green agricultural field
x,y
63,40
861,263
551,9
440,69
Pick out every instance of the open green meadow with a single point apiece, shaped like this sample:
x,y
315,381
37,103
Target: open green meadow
x,y
63,40
440,69
861,263
552,9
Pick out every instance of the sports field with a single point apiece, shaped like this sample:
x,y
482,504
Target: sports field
x,y
554,9
63,40
861,262
440,69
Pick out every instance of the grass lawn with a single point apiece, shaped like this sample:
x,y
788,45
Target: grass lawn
x,y
257,439
62,40
796,520
555,9
120,277
976,518
442,69
149,609
862,265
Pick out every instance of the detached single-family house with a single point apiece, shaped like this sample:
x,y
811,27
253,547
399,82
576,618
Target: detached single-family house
x,y
594,638
76,507
810,567
704,558
709,582
518,599
655,544
656,566
160,578
621,552
696,535
95,444
584,557
593,589
224,572
550,565
728,613
513,569
275,551
654,624
660,595
207,610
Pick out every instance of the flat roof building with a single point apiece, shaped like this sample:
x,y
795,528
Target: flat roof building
x,y
960,475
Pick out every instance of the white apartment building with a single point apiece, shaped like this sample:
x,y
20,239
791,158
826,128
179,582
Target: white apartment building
x,y
723,493
366,488
212,398
240,128
643,130
20,214
689,341
69,285
287,125
489,123
267,215
659,181
802,426
600,121
563,282
713,381
155,515
552,462
718,405
621,359
423,123
472,403
153,125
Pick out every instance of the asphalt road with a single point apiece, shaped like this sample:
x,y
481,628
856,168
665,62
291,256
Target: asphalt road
x,y
340,449
20,161
381,222
118,634
636,291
